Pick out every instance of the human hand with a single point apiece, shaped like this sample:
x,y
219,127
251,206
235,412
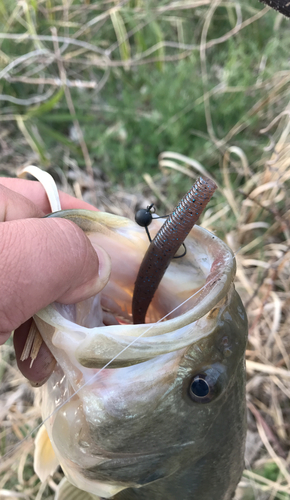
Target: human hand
x,y
41,261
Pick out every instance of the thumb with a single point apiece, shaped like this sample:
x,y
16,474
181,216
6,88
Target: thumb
x,y
42,261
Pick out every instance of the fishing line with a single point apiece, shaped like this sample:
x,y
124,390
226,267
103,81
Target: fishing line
x,y
94,377
238,250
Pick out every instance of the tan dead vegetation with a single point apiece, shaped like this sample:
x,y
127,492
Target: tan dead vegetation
x,y
256,201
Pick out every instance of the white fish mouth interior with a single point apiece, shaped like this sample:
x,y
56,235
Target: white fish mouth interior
x,y
207,258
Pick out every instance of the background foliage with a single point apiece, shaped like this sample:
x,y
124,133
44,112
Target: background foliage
x,y
144,77
125,103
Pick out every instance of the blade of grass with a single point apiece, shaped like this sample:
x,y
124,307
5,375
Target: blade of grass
x,y
47,106
121,34
32,140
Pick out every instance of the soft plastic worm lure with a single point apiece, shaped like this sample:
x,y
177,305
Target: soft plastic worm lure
x,y
166,243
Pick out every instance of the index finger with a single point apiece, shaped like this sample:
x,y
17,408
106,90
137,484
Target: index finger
x,y
36,193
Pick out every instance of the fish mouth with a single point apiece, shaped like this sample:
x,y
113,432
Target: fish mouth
x,y
190,289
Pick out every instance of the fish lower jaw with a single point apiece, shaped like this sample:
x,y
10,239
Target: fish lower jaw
x,y
117,474
99,488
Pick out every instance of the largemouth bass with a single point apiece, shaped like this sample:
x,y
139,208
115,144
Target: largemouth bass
x,y
165,419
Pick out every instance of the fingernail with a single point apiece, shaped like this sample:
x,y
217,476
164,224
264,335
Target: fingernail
x,y
105,267
39,383
96,284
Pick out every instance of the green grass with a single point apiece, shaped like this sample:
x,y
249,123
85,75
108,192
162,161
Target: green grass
x,y
144,109
270,475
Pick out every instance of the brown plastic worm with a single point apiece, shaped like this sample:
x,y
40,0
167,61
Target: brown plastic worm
x,y
166,243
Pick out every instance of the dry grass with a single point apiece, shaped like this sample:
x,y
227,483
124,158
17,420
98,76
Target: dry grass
x,y
252,214
262,239
260,236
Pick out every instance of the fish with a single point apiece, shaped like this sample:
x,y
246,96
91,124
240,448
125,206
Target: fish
x,y
154,410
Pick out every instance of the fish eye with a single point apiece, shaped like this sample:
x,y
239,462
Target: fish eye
x,y
206,386
199,387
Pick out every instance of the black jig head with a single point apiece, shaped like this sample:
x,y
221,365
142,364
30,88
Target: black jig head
x,y
144,217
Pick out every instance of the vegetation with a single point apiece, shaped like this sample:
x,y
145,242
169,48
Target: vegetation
x,y
107,96
139,82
